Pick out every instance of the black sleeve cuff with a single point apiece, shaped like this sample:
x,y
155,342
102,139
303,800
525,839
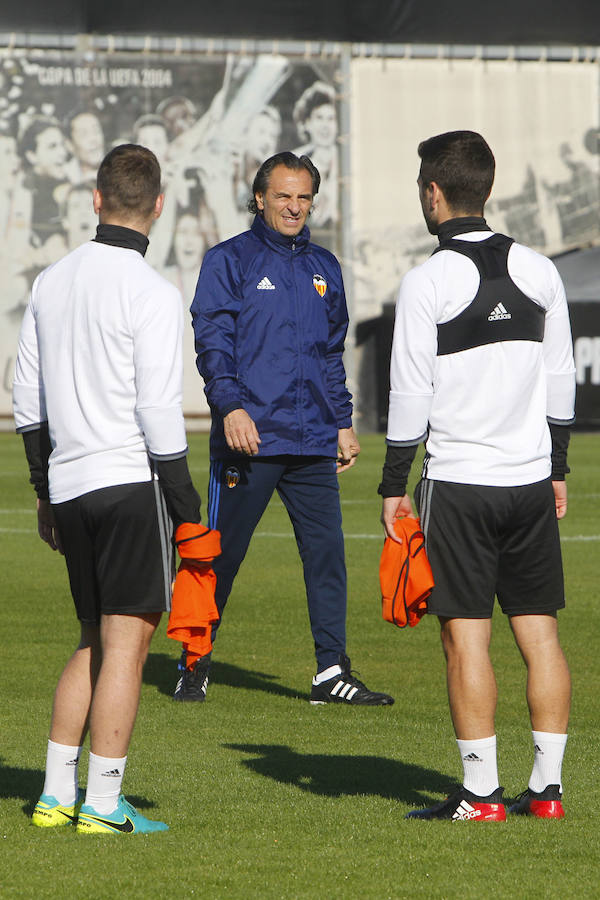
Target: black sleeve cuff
x,y
38,450
561,435
181,497
398,460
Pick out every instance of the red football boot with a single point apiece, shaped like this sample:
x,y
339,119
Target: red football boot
x,y
464,807
545,805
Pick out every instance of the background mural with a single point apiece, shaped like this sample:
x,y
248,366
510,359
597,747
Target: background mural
x,y
213,117
540,119
211,122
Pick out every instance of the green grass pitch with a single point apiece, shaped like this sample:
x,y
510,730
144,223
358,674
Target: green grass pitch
x,y
266,796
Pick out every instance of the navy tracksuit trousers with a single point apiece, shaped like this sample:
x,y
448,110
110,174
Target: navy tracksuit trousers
x,y
238,494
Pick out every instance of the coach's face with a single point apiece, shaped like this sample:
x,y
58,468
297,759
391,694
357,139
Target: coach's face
x,y
287,200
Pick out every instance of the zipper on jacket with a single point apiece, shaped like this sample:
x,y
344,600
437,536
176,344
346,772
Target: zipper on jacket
x,y
299,342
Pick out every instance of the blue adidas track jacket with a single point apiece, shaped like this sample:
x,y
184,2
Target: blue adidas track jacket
x,y
270,319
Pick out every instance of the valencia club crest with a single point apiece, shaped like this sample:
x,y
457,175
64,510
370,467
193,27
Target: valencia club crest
x,y
320,284
232,477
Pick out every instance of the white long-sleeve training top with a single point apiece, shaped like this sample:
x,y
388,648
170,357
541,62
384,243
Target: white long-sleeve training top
x,y
484,410
100,359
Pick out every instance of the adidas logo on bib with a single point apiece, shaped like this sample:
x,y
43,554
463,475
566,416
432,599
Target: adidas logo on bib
x,y
499,312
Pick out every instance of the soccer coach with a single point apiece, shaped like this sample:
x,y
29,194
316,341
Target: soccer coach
x,y
270,321
98,383
482,369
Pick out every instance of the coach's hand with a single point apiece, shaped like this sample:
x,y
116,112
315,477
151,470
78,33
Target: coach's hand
x,y
394,508
560,498
348,449
47,526
241,433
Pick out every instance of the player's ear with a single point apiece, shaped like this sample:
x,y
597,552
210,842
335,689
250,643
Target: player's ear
x,y
97,201
259,200
435,193
158,206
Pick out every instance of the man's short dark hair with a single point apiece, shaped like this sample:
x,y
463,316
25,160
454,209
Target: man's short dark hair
x,y
129,180
290,161
463,166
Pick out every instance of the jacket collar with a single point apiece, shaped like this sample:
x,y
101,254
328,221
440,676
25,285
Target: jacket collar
x,y
462,225
281,243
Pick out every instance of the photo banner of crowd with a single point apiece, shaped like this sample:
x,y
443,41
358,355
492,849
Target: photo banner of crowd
x,y
210,121
541,119
213,116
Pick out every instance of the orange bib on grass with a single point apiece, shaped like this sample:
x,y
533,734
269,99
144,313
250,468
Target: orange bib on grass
x,y
405,575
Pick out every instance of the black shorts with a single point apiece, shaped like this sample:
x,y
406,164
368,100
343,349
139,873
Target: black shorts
x,y
491,541
118,548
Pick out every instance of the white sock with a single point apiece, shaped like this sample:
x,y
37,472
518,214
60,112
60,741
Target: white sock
x,y
479,765
549,750
105,777
61,772
326,674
